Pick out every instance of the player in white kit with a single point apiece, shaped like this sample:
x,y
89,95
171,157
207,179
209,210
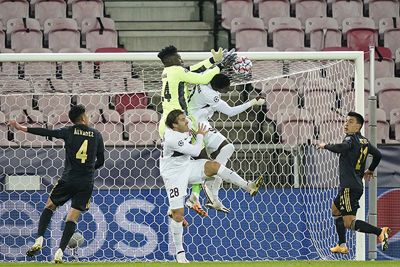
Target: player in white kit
x,y
178,169
203,102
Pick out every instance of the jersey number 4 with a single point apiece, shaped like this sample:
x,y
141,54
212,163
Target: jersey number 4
x,y
81,154
167,94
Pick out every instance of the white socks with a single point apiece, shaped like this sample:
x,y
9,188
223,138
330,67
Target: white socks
x,y
177,235
224,154
231,177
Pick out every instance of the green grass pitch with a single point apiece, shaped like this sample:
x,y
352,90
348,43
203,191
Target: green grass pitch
x,y
217,264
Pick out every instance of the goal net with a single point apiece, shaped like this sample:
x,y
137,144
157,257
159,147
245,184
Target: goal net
x,y
307,98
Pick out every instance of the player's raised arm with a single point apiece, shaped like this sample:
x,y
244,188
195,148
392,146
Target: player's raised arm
x,y
194,149
58,133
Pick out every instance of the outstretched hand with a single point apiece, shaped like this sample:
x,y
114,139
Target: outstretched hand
x,y
321,146
15,124
217,56
258,101
229,57
368,175
202,129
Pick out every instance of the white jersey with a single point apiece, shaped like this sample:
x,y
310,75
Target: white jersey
x,y
178,150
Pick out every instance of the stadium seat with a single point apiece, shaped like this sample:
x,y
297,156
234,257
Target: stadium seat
x,y
73,50
29,118
141,124
280,94
308,9
347,95
82,9
47,9
360,33
124,102
248,32
38,68
379,9
395,122
330,127
323,32
91,93
384,64
99,32
231,9
24,33
342,9
109,124
52,93
296,126
62,33
58,118
268,9
11,100
12,9
382,126
319,95
389,30
286,33
388,93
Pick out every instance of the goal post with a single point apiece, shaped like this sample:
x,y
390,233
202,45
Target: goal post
x,y
307,96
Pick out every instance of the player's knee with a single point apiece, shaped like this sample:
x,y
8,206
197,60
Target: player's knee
x,y
50,206
349,223
177,214
335,210
211,168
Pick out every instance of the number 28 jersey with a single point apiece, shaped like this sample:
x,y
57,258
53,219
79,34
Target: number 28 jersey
x,y
83,145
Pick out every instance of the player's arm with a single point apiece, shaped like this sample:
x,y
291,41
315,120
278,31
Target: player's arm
x,y
337,148
223,107
376,158
58,133
100,153
197,78
207,63
192,150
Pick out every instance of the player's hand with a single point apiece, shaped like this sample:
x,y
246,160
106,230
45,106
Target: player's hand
x,y
258,101
14,124
202,129
368,175
229,57
321,146
217,56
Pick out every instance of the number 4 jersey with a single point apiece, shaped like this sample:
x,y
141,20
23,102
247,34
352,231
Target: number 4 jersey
x,y
84,150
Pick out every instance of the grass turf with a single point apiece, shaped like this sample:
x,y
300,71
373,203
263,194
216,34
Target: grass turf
x,y
204,264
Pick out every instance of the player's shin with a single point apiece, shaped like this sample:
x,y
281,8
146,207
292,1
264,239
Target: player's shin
x,y
364,227
231,177
177,235
44,221
67,234
340,229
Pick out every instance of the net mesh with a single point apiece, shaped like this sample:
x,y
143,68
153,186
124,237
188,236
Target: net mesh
x,y
289,219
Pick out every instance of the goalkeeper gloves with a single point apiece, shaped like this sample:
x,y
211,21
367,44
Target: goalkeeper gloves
x,y
258,101
228,58
217,56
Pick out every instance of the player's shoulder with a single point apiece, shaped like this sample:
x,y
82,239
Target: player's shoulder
x,y
173,137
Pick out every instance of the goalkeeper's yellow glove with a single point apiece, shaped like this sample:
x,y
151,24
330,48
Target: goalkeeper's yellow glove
x,y
217,56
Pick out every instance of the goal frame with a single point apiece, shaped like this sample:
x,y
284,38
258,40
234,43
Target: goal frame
x,y
356,56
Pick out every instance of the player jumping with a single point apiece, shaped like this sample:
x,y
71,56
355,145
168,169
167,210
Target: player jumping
x,y
353,154
84,152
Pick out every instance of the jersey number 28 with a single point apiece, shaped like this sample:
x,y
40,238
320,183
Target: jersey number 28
x,y
81,154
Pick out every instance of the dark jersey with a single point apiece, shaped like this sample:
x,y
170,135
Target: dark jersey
x,y
353,154
84,150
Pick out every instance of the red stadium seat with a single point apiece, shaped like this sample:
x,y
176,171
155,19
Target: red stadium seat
x,y
384,64
286,33
24,33
360,33
249,32
323,32
231,9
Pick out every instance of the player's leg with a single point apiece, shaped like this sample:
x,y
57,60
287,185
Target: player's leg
x,y
351,198
58,196
340,229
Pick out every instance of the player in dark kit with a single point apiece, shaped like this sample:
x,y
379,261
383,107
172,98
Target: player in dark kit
x,y
353,154
84,152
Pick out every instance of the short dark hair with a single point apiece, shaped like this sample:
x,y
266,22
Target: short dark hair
x,y
75,113
166,52
220,81
359,117
172,117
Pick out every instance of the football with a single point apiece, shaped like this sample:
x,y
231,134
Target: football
x,y
75,241
243,66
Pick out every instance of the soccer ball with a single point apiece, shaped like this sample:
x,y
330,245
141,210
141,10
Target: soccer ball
x,y
242,66
75,241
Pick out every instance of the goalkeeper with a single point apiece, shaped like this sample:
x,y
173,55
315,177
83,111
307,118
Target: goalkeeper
x,y
174,92
203,102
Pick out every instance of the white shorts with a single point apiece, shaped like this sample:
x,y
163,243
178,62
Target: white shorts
x,y
177,181
213,139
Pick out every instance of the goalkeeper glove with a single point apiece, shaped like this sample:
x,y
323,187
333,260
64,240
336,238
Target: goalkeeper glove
x,y
217,56
258,101
228,58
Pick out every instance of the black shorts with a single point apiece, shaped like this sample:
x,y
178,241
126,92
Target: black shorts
x,y
347,199
80,194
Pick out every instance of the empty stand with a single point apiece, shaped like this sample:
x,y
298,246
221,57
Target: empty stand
x,y
52,93
309,8
11,9
62,33
24,33
231,9
82,9
99,32
384,64
318,95
395,121
109,124
286,33
47,9
11,100
388,92
38,68
389,29
268,9
88,92
342,9
249,32
142,126
323,32
330,127
379,9
382,126
296,126
360,33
